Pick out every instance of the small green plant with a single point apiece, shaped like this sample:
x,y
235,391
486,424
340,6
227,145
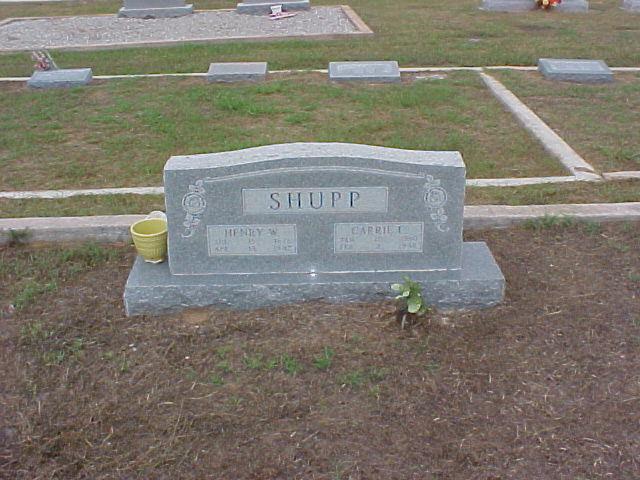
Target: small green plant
x,y
216,380
290,364
410,297
352,379
33,333
323,362
254,363
272,363
18,237
549,221
224,366
592,228
53,357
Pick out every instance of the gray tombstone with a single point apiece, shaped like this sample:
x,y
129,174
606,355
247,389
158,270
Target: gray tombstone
x,y
237,72
371,72
341,222
631,5
579,71
62,78
262,7
154,9
527,5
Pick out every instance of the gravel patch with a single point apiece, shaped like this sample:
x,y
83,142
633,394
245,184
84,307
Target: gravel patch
x,y
107,30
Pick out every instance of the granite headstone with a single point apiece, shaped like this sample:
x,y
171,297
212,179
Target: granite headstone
x,y
262,7
371,72
631,5
154,9
285,223
580,71
61,78
237,72
527,5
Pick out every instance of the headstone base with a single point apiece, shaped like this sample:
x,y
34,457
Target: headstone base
x,y
528,5
237,72
64,78
631,5
264,8
169,12
151,289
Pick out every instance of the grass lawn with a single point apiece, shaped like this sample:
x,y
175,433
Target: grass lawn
x,y
543,386
414,32
609,192
121,133
599,121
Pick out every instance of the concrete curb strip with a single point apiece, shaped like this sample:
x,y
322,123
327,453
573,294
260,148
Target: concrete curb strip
x,y
501,216
115,228
402,70
61,194
621,175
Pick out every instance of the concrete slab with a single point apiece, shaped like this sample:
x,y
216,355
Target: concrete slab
x,y
261,7
237,72
370,72
64,78
575,70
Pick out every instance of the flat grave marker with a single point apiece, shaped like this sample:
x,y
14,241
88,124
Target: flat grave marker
x,y
61,78
580,71
528,5
262,7
286,223
372,72
631,5
154,9
237,72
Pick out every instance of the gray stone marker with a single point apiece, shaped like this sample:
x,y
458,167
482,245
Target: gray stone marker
x,y
154,9
237,72
63,78
262,7
285,223
631,5
372,72
527,5
580,71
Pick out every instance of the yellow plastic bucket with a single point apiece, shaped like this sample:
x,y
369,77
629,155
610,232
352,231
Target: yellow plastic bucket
x,y
150,238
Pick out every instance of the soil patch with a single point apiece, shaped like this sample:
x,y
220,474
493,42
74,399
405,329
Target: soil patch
x,y
544,386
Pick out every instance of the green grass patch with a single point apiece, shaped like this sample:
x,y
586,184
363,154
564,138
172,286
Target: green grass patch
x,y
548,194
599,121
81,206
121,133
425,32
27,275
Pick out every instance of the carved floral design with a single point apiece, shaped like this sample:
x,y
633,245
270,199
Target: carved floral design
x,y
194,205
436,198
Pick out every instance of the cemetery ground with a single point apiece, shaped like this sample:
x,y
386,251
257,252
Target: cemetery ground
x,y
119,133
543,386
434,33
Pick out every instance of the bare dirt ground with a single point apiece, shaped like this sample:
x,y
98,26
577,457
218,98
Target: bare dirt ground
x,y
545,386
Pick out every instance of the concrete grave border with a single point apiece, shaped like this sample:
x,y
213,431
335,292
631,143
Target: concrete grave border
x,y
361,29
115,228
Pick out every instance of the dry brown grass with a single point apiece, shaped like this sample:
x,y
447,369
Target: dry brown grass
x,y
543,386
